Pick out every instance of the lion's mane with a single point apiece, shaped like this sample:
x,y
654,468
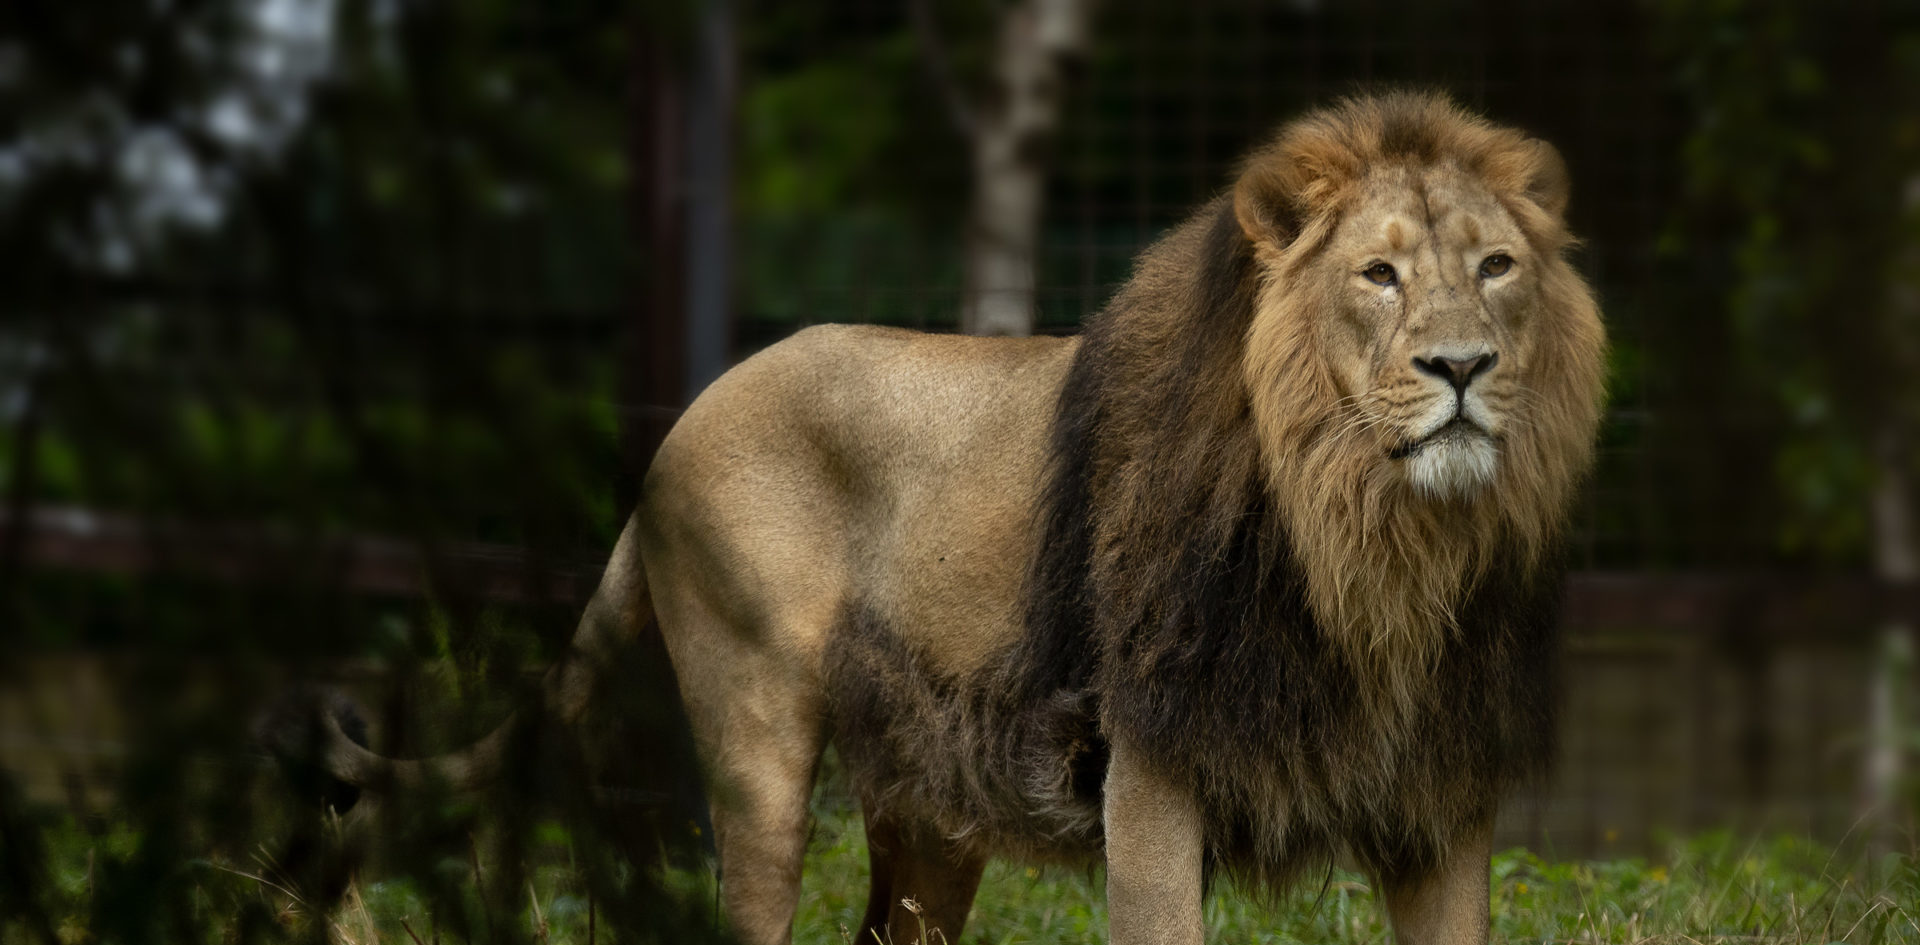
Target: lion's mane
x,y
1229,577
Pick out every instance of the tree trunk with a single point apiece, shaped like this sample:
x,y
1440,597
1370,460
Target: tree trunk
x,y
1010,140
1894,562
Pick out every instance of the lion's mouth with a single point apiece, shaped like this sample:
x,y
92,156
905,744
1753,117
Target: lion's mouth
x,y
1453,431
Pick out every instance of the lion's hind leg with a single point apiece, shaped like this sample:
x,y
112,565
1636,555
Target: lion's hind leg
x,y
762,780
758,719
920,881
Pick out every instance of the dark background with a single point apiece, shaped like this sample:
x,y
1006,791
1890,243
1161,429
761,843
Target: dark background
x,y
335,334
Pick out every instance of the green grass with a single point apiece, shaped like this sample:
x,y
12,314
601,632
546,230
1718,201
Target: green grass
x,y
1715,888
1711,888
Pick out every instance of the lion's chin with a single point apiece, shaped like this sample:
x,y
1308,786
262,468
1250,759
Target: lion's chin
x,y
1455,462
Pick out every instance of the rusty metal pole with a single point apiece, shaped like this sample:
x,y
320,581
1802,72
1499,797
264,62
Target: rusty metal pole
x,y
710,119
653,381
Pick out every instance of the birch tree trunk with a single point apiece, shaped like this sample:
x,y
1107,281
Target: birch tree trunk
x,y
1009,134
1896,560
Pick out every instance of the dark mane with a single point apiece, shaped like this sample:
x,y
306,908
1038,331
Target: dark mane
x,y
1059,649
1216,578
1163,584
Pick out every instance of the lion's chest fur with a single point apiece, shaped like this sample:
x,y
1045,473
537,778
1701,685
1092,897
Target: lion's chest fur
x,y
1265,718
1296,752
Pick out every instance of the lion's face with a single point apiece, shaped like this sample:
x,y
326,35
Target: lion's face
x,y
1419,331
1425,286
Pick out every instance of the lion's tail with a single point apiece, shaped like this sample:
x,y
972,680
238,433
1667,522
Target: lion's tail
x,y
621,607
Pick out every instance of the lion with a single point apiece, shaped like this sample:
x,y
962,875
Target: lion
x,y
1259,570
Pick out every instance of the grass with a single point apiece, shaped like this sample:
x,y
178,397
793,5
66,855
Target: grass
x,y
1713,889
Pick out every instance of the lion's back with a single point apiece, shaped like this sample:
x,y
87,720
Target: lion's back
x,y
861,466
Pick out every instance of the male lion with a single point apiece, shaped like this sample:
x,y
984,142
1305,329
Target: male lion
x,y
1258,569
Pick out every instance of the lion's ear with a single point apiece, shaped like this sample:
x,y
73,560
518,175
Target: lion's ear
x,y
1547,179
1274,192
1282,187
1264,204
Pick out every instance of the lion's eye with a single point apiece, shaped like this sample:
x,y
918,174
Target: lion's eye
x,y
1380,274
1495,266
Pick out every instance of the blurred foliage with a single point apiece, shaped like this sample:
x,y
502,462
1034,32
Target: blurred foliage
x,y
851,178
325,268
375,297
821,137
1797,192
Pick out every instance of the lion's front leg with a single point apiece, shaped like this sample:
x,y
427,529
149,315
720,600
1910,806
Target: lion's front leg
x,y
1155,845
1449,905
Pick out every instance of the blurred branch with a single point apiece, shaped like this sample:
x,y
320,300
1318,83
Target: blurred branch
x,y
939,65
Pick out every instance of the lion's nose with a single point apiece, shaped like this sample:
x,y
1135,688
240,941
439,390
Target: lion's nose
x,y
1457,371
